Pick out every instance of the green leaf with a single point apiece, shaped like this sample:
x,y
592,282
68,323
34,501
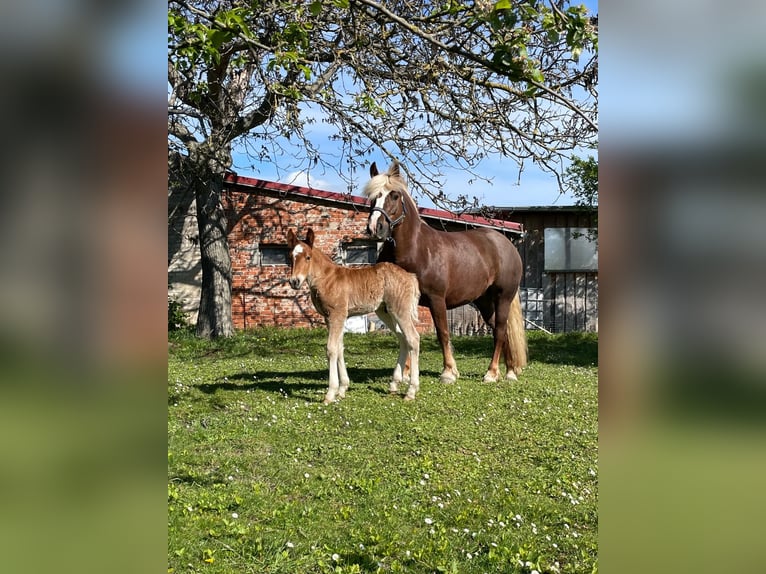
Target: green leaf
x,y
503,5
315,8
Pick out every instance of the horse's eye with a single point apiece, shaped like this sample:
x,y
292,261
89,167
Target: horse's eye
x,y
308,257
394,196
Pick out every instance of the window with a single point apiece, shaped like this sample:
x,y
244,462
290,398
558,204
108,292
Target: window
x,y
360,252
571,249
273,255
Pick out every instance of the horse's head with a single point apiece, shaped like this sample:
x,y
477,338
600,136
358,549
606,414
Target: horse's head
x,y
386,193
300,257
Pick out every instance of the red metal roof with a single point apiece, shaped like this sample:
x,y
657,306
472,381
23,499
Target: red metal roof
x,y
347,198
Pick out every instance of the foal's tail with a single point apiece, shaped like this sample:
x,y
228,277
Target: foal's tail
x,y
517,337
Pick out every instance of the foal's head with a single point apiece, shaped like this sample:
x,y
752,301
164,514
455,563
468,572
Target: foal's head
x,y
386,193
300,257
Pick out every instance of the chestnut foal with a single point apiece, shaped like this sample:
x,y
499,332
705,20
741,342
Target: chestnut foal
x,y
340,292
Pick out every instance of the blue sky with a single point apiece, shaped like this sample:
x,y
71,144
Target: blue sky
x,y
507,188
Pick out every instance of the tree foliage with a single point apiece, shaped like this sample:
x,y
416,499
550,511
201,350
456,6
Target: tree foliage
x,y
581,180
428,83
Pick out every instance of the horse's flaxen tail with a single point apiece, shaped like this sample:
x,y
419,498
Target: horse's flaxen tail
x,y
516,342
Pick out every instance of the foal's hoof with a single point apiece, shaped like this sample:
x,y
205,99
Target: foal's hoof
x,y
408,398
490,378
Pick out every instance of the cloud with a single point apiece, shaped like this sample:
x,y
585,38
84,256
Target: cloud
x,y
305,179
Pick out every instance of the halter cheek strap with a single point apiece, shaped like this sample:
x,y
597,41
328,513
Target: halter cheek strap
x,y
391,222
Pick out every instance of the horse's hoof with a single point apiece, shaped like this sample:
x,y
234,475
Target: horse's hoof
x,y
447,379
408,398
490,378
511,376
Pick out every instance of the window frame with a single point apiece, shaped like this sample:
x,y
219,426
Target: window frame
x,y
275,248
574,238
371,247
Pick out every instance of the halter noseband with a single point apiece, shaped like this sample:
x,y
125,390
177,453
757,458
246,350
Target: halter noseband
x,y
391,222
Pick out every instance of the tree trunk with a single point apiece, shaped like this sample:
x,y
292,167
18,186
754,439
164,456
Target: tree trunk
x,y
214,319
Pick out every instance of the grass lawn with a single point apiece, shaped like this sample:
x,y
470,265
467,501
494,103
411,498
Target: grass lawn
x,y
471,477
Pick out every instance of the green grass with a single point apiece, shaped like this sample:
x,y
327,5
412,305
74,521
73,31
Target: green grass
x,y
471,477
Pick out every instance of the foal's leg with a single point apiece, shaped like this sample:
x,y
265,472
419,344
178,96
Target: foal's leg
x,y
389,321
438,309
412,338
342,373
334,344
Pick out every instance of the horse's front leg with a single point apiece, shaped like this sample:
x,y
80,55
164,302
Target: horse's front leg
x,y
334,351
438,309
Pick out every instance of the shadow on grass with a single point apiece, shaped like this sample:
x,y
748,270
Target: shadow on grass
x,y
296,383
577,349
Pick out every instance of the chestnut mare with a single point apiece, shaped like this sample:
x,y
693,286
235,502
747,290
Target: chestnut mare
x,y
479,266
339,292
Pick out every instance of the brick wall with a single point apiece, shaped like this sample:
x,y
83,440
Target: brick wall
x,y
261,295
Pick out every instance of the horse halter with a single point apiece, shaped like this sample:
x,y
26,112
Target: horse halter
x,y
391,222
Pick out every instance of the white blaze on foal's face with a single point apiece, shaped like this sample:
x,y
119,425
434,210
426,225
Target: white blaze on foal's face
x,y
300,266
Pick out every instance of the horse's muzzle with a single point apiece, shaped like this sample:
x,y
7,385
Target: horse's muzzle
x,y
295,282
380,230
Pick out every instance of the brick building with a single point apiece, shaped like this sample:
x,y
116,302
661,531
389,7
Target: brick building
x,y
259,214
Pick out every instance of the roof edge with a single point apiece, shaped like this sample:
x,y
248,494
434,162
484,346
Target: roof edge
x,y
347,198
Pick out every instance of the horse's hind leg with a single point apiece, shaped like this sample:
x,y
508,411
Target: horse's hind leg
x,y
389,321
499,331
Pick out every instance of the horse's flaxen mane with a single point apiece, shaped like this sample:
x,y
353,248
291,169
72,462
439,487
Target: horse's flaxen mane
x,y
376,186
383,183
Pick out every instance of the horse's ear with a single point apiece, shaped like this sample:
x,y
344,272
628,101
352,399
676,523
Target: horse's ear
x,y
373,170
310,237
291,239
393,171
